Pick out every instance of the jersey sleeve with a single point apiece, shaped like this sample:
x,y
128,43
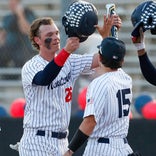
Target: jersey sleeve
x,y
80,64
29,70
95,101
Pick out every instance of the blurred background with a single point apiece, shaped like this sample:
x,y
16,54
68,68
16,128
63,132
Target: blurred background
x,y
10,69
11,94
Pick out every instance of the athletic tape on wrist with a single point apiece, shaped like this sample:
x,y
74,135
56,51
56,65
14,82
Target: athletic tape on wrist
x,y
140,46
78,139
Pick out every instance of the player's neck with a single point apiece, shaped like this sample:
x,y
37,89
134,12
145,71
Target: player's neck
x,y
47,56
104,70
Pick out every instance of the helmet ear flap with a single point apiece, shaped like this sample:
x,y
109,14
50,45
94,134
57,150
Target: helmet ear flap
x,y
64,19
135,32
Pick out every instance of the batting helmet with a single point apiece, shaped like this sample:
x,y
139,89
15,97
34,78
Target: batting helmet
x,y
79,20
144,15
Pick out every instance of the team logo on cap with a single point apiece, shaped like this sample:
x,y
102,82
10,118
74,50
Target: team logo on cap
x,y
115,57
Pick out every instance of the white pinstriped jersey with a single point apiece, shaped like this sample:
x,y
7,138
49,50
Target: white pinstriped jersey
x,y
108,99
49,107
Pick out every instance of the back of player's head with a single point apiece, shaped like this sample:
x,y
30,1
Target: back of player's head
x,y
112,52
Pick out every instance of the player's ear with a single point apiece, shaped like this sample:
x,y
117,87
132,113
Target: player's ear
x,y
36,40
99,58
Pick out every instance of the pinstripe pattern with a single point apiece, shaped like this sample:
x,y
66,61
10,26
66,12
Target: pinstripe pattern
x,y
49,107
103,103
41,145
115,148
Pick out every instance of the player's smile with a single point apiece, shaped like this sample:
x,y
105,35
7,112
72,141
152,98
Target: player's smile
x,y
57,43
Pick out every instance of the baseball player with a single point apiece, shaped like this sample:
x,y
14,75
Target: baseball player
x,y
48,81
106,118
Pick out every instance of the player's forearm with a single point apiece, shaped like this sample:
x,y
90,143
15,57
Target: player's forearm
x,y
23,24
82,134
46,76
147,68
141,52
88,125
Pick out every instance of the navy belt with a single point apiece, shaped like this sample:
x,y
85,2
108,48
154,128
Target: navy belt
x,y
58,135
107,141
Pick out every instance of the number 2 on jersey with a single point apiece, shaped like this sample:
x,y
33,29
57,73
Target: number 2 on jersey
x,y
122,100
68,97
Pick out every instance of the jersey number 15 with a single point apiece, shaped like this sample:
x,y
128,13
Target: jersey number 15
x,y
122,100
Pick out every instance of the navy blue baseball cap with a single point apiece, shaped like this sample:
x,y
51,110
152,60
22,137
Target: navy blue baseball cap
x,y
112,48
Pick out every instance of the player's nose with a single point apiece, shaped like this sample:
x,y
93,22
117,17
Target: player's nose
x,y
56,36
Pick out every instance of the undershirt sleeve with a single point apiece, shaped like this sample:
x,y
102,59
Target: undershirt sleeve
x,y
49,73
147,69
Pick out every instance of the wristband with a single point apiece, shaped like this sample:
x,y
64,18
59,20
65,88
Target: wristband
x,y
61,57
78,139
140,46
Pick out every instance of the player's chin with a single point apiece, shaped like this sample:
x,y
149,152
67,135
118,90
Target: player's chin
x,y
56,47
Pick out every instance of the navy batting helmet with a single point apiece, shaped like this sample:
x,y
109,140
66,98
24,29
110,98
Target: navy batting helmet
x,y
79,20
144,15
